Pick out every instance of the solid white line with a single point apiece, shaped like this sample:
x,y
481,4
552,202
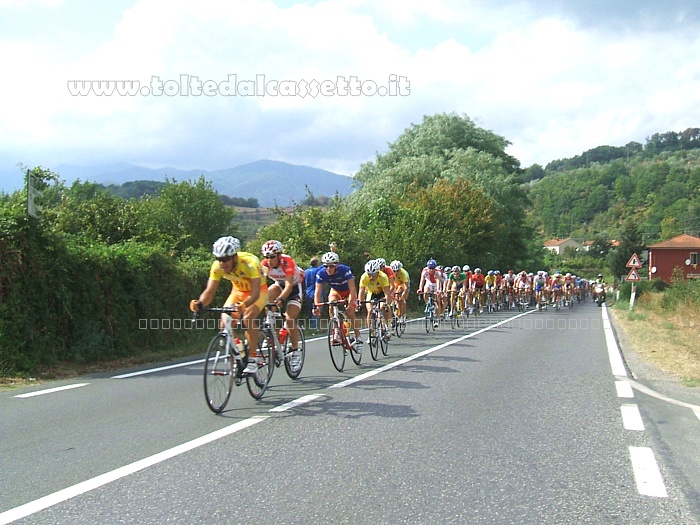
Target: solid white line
x,y
631,418
52,390
624,389
646,473
423,353
160,369
616,363
108,477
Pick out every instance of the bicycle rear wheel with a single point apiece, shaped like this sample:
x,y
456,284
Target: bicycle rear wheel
x,y
219,370
384,338
293,372
260,380
335,344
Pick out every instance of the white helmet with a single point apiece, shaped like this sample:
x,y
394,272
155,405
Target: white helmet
x,y
226,246
330,258
271,248
372,267
465,268
396,265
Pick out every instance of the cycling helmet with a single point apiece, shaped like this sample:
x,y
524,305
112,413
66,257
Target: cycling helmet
x,y
372,267
432,263
478,270
466,268
600,276
491,272
226,246
455,269
271,248
382,262
557,272
330,258
396,265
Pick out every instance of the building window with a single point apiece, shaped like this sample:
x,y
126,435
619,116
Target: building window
x,y
694,258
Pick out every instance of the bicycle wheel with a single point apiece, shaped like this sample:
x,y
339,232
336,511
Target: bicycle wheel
x,y
402,325
428,323
373,336
260,380
384,338
335,344
219,370
354,354
293,372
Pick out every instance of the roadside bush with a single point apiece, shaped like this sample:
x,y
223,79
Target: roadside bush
x,y
682,293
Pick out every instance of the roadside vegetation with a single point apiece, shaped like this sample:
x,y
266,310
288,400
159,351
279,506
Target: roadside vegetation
x,y
104,275
663,327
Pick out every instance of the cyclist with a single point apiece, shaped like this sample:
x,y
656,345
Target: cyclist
x,y
248,291
455,284
557,286
490,282
392,282
430,282
342,286
540,283
377,284
478,285
509,287
287,288
402,287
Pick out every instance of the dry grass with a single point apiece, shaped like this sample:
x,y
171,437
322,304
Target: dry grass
x,y
666,339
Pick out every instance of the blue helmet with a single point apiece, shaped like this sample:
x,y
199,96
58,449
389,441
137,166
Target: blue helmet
x,y
432,263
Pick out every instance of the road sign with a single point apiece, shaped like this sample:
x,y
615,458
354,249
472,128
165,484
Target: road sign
x,y
633,275
634,262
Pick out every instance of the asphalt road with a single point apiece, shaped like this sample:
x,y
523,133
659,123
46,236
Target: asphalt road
x,y
517,418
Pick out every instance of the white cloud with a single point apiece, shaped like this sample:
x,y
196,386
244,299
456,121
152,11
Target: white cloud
x,y
540,74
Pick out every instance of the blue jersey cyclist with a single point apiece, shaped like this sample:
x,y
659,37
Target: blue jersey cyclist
x,y
342,286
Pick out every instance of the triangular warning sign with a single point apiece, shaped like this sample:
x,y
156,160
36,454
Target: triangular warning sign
x,y
633,275
634,262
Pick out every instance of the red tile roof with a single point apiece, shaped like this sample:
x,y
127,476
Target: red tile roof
x,y
679,242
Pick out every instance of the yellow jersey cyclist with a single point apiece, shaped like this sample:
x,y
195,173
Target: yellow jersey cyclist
x,y
402,287
376,283
490,281
248,290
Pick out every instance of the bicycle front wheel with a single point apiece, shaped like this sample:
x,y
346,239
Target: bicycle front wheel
x,y
218,374
260,380
335,344
384,338
373,337
294,371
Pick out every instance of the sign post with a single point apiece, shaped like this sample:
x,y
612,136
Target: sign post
x,y
33,194
634,264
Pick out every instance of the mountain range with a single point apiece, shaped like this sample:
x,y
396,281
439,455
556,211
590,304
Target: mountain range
x,y
271,182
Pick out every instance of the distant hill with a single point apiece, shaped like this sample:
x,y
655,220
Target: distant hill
x,y
270,182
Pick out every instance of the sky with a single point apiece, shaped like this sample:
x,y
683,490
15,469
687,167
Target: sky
x,y
219,83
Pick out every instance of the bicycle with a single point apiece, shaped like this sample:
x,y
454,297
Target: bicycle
x,y
378,330
281,342
430,310
225,360
338,330
398,322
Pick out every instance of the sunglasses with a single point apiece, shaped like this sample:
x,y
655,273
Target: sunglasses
x,y
274,256
224,259
330,265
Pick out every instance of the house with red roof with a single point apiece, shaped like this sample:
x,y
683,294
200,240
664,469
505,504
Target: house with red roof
x,y
679,252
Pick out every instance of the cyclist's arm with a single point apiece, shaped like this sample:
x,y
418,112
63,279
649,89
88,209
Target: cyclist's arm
x,y
207,296
288,287
318,292
254,292
353,292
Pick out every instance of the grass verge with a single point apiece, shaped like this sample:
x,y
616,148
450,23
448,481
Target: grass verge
x,y
664,337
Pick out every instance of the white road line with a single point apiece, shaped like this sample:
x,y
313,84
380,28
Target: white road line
x,y
646,473
631,418
91,484
624,389
423,353
159,369
52,390
297,402
618,366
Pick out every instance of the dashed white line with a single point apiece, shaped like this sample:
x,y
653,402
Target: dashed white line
x,y
624,389
631,418
52,390
646,473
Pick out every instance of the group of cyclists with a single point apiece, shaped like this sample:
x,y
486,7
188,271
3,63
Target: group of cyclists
x,y
453,289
